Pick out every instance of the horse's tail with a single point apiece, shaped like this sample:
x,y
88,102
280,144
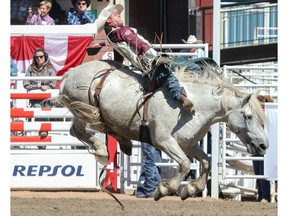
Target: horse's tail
x,y
84,112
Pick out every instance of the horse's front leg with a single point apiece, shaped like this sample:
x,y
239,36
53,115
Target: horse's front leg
x,y
164,141
196,186
78,130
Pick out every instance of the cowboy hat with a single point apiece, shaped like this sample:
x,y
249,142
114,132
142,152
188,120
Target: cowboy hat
x,y
262,92
192,40
104,15
88,2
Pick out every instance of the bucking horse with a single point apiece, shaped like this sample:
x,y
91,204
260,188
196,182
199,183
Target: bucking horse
x,y
111,98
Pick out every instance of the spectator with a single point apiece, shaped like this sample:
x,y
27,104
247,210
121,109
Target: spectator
x,y
41,16
263,185
18,11
150,176
56,12
189,61
79,14
13,68
41,66
13,72
199,51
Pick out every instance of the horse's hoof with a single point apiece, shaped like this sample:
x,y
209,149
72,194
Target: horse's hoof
x,y
184,193
103,160
126,150
187,191
160,192
157,195
102,156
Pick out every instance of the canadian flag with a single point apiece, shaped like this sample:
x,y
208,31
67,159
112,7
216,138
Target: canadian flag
x,y
64,51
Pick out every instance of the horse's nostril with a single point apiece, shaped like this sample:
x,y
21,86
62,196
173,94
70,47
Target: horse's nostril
x,y
263,147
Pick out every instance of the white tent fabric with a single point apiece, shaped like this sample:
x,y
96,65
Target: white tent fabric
x,y
271,129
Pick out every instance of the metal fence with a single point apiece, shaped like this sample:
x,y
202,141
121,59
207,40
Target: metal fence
x,y
249,25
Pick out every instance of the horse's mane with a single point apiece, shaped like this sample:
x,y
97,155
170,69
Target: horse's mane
x,y
209,74
212,75
256,108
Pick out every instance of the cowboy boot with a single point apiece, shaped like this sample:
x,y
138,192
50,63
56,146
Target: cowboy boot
x,y
186,103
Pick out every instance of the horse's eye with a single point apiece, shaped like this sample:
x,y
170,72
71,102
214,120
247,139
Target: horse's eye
x,y
248,117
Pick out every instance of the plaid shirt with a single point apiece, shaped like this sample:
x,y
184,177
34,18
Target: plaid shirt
x,y
86,17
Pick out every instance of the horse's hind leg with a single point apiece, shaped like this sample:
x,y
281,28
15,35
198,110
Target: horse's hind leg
x,y
196,186
125,144
78,130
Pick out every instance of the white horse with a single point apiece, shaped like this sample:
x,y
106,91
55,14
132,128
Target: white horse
x,y
113,111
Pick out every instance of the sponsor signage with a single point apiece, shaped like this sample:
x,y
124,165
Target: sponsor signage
x,y
53,170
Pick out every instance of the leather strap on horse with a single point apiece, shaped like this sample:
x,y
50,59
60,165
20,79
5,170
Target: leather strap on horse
x,y
150,87
145,103
99,85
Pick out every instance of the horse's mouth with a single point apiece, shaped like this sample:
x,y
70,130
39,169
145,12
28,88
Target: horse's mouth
x,y
261,151
253,149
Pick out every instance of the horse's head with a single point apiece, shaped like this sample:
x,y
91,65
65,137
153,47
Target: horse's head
x,y
247,123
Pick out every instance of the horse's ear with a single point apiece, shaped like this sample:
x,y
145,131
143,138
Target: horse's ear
x,y
246,100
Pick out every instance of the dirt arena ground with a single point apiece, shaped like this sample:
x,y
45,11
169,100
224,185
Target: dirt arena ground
x,y
37,203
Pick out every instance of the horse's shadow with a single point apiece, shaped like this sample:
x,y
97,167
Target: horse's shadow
x,y
183,116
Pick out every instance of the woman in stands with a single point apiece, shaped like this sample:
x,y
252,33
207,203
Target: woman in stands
x,y
41,17
41,66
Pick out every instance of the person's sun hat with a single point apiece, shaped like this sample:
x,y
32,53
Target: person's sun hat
x,y
192,40
88,2
104,15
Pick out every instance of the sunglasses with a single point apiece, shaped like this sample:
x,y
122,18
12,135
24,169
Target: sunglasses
x,y
81,3
39,57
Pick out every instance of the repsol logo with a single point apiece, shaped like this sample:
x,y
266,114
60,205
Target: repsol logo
x,y
45,170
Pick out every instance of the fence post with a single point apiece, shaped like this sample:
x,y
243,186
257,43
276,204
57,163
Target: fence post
x,y
111,171
215,161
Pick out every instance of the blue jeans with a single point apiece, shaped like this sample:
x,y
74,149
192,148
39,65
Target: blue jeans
x,y
38,104
262,184
171,82
150,175
173,86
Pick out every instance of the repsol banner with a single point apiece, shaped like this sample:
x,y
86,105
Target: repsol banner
x,y
52,170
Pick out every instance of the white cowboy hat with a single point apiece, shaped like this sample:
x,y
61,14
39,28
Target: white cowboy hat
x,y
104,15
262,92
192,39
